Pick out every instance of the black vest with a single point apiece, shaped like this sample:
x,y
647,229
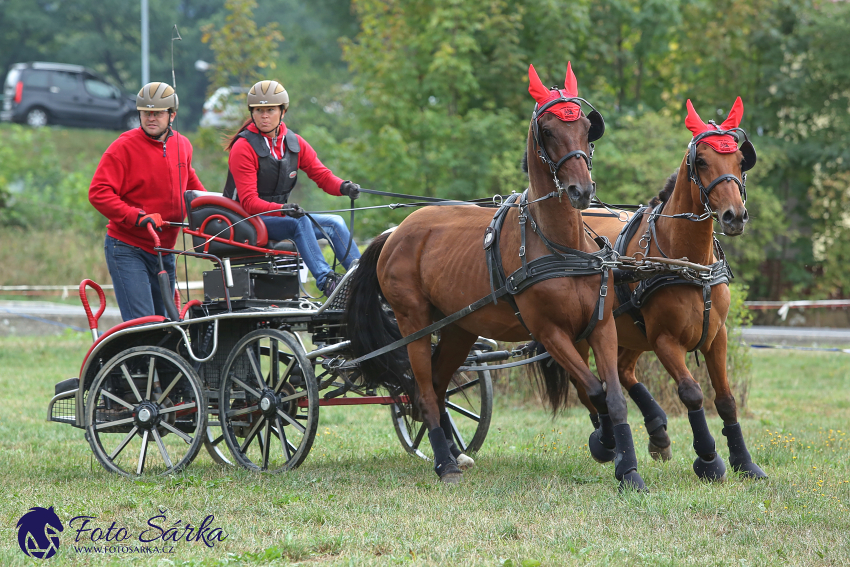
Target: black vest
x,y
275,178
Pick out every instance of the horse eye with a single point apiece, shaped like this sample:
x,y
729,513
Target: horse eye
x,y
548,133
701,162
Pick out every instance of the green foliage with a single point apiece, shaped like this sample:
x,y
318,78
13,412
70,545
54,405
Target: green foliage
x,y
240,47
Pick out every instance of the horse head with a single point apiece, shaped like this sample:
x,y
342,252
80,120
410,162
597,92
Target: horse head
x,y
559,132
717,167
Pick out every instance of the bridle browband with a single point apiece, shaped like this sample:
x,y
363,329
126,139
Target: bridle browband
x,y
749,161
597,128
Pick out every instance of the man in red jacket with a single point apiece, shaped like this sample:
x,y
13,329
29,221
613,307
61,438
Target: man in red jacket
x,y
140,181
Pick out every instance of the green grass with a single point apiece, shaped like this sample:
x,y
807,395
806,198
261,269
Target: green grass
x,y
534,498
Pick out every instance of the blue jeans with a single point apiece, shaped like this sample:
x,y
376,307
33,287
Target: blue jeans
x,y
134,277
305,234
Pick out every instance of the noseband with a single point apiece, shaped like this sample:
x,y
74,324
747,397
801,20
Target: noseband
x,y
749,160
597,128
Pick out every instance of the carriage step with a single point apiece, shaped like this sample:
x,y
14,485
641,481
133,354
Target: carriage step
x,y
66,385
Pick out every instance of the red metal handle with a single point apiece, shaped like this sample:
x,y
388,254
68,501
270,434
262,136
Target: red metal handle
x,y
101,296
187,307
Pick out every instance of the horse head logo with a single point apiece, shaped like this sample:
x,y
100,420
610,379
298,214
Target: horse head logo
x,y
38,532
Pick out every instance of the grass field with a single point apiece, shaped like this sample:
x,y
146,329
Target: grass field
x,y
534,498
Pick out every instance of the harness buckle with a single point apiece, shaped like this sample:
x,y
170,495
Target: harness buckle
x,y
707,305
603,290
521,251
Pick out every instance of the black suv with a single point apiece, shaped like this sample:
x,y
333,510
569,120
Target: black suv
x,y
54,93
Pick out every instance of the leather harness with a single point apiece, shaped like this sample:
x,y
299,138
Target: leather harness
x,y
632,301
562,263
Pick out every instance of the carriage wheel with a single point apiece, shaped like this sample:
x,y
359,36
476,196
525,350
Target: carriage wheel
x,y
469,401
214,441
269,402
146,413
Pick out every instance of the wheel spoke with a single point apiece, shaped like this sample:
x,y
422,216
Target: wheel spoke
x,y
143,454
151,370
181,407
162,450
164,394
115,398
282,436
216,441
462,411
255,366
458,436
419,437
285,374
275,371
247,388
267,437
176,431
294,423
132,384
243,411
462,387
293,397
252,434
114,423
123,444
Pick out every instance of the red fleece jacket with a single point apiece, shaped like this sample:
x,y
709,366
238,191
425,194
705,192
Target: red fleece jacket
x,y
138,174
243,164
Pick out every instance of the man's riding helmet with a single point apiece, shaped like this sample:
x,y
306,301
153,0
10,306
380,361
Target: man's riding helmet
x,y
268,93
157,96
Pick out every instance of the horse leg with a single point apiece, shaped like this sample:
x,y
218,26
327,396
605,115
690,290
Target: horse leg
x,y
654,418
708,464
601,442
451,352
739,457
419,352
603,341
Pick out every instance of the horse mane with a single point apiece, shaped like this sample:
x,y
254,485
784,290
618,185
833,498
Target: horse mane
x,y
664,195
524,162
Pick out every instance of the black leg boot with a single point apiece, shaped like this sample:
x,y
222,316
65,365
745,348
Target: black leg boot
x,y
708,464
625,463
445,464
739,457
655,421
464,461
594,419
601,442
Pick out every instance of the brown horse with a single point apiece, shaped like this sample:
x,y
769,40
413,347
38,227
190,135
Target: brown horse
x,y
433,264
674,318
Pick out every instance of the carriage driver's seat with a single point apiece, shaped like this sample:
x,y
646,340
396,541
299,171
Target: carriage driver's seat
x,y
213,214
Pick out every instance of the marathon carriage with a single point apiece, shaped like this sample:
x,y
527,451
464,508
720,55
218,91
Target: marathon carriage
x,y
235,368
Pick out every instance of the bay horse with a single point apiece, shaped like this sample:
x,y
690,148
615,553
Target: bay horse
x,y
434,264
672,316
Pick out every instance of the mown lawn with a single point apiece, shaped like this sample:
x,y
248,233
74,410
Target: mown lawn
x,y
535,497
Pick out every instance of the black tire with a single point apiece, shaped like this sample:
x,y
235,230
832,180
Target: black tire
x,y
214,442
37,117
146,395
130,121
469,401
268,402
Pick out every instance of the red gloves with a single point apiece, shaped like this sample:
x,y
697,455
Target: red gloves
x,y
155,219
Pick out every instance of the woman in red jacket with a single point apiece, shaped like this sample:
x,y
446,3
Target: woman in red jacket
x,y
264,161
139,182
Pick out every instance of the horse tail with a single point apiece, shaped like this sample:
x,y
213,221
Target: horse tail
x,y
552,378
370,325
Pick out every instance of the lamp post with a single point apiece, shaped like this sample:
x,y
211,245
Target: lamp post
x,y
145,62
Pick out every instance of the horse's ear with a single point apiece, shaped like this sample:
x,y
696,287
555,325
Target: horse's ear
x,y
535,86
693,121
735,116
570,82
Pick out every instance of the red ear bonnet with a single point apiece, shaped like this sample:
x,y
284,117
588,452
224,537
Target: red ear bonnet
x,y
720,144
565,111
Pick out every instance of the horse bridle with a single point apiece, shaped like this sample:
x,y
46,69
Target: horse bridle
x,y
597,128
746,148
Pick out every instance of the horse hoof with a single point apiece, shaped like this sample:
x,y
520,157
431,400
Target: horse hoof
x,y
465,462
599,452
660,453
750,470
713,470
452,478
632,481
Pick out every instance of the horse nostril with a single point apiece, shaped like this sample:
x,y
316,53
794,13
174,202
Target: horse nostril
x,y
746,215
728,217
573,191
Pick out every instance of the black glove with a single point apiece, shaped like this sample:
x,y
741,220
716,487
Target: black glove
x,y
293,210
350,188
